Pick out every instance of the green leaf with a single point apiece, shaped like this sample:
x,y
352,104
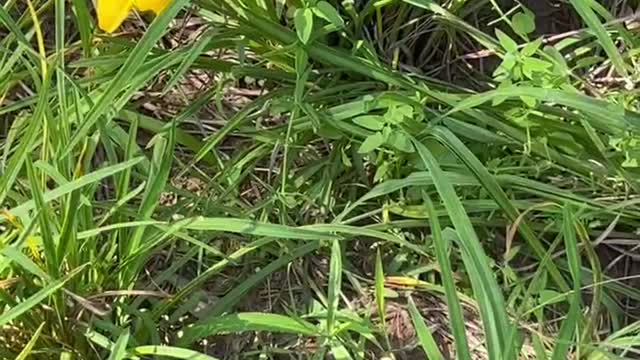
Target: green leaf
x,y
170,351
483,281
548,297
335,284
401,142
326,11
76,184
338,351
371,122
523,23
507,43
531,65
119,350
457,322
243,322
252,227
427,341
303,20
371,143
379,290
26,351
569,329
529,101
35,299
531,47
133,64
584,8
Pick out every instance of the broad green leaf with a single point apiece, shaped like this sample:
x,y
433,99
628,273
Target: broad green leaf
x,y
371,143
531,47
371,122
338,351
401,142
523,23
507,43
303,19
326,11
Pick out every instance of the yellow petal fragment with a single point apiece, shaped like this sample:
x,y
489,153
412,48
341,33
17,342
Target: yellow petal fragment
x,y
151,5
111,13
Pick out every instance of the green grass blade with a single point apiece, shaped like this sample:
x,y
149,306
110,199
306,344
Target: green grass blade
x,y
425,337
591,19
123,79
242,322
76,184
251,227
335,284
19,258
225,304
486,289
171,352
158,176
119,350
35,299
26,351
456,317
604,116
379,290
569,329
493,188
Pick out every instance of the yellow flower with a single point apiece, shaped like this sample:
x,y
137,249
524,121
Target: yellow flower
x,y
111,13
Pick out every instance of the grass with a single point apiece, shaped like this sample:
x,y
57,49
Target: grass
x,y
251,179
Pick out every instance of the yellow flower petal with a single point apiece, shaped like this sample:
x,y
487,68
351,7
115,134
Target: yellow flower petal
x,y
111,13
151,5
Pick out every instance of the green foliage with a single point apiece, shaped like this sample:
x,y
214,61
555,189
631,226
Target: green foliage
x,y
330,182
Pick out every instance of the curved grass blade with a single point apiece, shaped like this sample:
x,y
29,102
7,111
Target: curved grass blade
x,y
129,69
171,352
456,318
26,351
76,184
493,188
252,227
35,299
234,296
243,322
484,284
591,19
427,341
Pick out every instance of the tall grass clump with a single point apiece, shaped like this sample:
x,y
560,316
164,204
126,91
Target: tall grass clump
x,y
319,179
